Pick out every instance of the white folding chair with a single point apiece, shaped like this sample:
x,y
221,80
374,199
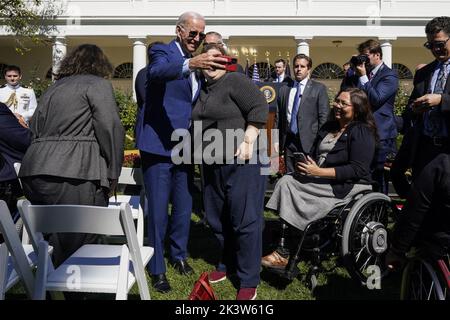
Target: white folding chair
x,y
19,224
138,203
16,260
93,267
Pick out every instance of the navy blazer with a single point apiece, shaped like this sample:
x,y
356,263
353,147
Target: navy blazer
x,y
381,91
14,141
139,87
351,157
168,101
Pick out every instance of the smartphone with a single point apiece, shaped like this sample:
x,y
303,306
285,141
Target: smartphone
x,y
231,64
299,157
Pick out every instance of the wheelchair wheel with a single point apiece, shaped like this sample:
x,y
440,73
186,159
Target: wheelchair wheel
x,y
364,237
420,281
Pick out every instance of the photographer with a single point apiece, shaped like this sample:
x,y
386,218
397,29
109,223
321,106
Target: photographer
x,y
380,84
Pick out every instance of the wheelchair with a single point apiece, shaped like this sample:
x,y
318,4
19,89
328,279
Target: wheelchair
x,y
426,278
357,231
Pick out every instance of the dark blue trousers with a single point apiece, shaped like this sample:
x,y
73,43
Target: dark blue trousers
x,y
234,203
387,148
166,182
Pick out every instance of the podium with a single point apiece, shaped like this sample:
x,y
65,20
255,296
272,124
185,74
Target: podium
x,y
270,91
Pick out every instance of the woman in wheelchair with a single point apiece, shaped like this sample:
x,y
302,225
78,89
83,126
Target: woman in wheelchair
x,y
425,220
337,169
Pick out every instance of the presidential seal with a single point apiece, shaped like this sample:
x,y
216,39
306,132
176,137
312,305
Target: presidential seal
x,y
269,93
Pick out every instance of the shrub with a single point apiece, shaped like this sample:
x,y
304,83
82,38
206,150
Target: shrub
x,y
401,100
37,84
127,112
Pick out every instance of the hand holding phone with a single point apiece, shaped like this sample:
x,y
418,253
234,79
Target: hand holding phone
x,y
299,157
231,64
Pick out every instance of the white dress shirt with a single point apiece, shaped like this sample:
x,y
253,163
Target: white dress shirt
x,y
292,98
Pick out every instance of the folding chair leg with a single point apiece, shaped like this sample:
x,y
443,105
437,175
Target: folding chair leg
x,y
3,269
140,228
41,273
122,281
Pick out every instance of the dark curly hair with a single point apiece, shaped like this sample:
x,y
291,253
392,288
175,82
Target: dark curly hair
x,y
437,25
85,59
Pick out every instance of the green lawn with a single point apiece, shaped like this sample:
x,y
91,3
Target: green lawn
x,y
204,253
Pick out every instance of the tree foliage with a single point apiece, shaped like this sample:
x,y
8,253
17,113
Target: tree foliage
x,y
28,19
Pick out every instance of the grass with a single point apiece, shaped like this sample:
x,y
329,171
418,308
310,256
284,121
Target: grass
x,y
204,254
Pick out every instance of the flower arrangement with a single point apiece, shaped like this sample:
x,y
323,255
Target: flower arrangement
x,y
132,160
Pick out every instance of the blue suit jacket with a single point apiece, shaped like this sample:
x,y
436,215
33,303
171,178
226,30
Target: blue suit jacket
x,y
168,101
381,91
14,141
139,87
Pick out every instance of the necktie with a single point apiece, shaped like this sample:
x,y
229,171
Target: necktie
x,y
441,78
434,124
298,97
370,75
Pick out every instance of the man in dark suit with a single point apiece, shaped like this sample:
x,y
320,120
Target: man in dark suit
x,y
429,106
171,88
280,73
380,84
302,109
15,138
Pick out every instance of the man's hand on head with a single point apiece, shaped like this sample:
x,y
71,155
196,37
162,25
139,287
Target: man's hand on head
x,y
207,61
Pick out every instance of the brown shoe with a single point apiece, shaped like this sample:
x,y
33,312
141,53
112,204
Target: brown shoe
x,y
274,260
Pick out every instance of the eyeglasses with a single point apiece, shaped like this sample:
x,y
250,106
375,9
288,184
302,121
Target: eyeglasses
x,y
193,34
435,44
341,103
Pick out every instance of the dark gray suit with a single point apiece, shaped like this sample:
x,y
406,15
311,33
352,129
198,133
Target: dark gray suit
x,y
312,114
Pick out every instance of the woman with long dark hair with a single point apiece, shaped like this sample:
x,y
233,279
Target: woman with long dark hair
x,y
338,168
76,152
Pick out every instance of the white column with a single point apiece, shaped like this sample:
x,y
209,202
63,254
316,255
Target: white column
x,y
139,56
59,51
386,48
225,43
303,45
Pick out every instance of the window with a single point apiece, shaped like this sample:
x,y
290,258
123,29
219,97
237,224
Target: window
x,y
124,71
402,70
327,71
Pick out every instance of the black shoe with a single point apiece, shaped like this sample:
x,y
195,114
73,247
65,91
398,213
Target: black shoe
x,y
182,267
160,283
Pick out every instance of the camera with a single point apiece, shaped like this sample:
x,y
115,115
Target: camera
x,y
231,64
360,59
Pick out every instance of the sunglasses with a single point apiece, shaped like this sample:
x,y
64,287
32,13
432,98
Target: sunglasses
x,y
193,34
435,44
